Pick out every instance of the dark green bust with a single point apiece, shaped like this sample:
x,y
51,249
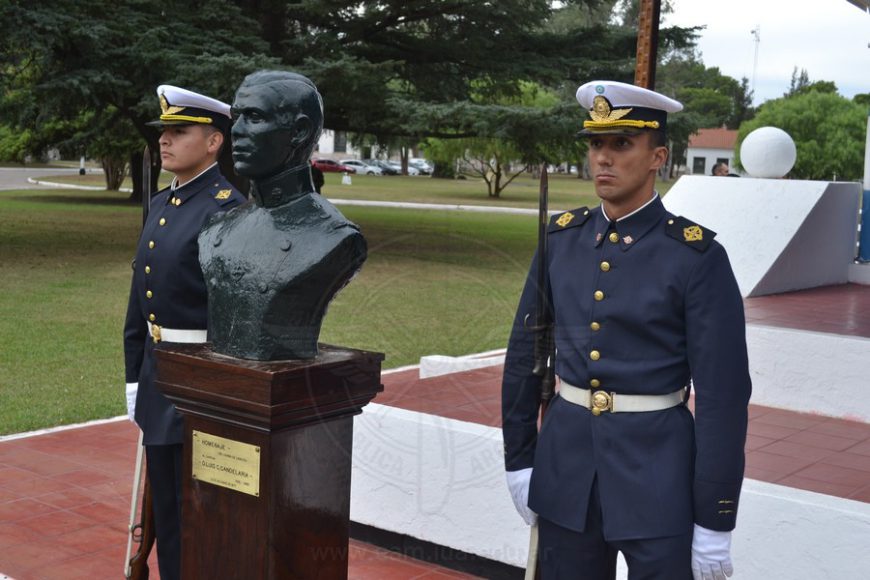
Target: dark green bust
x,y
273,265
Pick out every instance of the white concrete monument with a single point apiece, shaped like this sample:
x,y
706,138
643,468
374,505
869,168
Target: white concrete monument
x,y
780,234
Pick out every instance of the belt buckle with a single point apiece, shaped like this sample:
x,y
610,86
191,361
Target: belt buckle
x,y
155,333
599,402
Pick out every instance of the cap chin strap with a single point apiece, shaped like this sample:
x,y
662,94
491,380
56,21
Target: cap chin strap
x,y
620,123
203,120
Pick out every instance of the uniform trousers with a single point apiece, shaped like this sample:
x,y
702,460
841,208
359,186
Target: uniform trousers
x,y
164,476
569,555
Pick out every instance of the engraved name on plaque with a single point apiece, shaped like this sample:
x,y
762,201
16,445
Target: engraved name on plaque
x,y
227,463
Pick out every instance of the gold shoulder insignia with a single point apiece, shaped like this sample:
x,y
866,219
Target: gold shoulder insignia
x,y
690,233
565,219
223,194
693,234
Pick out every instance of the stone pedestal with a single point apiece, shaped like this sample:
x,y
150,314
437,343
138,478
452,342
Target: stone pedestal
x,y
267,459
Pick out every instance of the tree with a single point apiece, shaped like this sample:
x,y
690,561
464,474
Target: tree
x,y
517,132
710,99
66,57
862,99
799,81
383,66
828,130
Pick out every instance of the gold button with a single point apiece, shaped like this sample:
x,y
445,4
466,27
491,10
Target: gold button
x,y
595,326
670,222
599,295
177,201
151,244
147,269
605,266
595,355
162,221
151,317
149,294
613,237
594,383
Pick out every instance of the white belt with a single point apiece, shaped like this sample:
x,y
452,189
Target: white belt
x,y
161,334
600,401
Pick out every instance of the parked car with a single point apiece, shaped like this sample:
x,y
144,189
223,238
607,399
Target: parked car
x,y
362,167
421,164
386,168
330,165
398,167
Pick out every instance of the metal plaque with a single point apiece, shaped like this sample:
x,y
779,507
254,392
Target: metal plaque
x,y
227,463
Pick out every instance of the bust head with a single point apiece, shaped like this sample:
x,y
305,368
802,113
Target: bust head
x,y
278,117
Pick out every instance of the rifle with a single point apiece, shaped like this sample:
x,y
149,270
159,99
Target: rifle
x,y
545,358
146,184
141,532
545,345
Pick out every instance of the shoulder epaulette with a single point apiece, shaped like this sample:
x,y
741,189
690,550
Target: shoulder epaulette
x,y
690,233
568,219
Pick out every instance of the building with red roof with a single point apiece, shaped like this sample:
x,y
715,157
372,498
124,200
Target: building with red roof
x,y
708,147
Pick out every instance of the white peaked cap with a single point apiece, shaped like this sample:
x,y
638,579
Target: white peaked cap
x,y
178,97
625,95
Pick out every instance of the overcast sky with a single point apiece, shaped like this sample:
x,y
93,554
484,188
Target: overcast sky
x,y
828,38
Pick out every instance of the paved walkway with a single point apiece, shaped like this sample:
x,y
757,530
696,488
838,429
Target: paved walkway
x,y
65,504
16,178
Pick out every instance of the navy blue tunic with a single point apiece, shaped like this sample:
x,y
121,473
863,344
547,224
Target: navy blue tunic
x,y
668,313
168,289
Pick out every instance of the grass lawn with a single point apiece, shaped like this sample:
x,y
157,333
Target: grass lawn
x,y
435,283
566,191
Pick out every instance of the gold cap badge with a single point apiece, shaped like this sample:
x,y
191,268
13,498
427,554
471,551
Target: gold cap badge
x,y
601,111
166,108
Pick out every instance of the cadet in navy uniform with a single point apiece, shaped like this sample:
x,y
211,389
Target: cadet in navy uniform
x,y
645,306
168,295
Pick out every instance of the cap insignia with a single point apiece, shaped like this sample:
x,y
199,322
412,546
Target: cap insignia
x,y
693,234
223,194
602,113
166,108
565,219
599,89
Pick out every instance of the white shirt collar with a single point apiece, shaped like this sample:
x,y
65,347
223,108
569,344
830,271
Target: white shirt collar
x,y
174,185
652,199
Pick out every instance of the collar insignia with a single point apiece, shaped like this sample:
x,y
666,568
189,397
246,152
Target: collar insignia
x,y
598,237
602,112
693,234
565,219
223,194
627,239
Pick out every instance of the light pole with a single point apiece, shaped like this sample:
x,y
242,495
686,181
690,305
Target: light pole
x,y
756,32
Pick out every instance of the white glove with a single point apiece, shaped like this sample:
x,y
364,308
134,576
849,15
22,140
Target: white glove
x,y
711,554
518,484
131,390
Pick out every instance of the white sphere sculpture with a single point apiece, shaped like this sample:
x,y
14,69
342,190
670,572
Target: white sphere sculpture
x,y
768,152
